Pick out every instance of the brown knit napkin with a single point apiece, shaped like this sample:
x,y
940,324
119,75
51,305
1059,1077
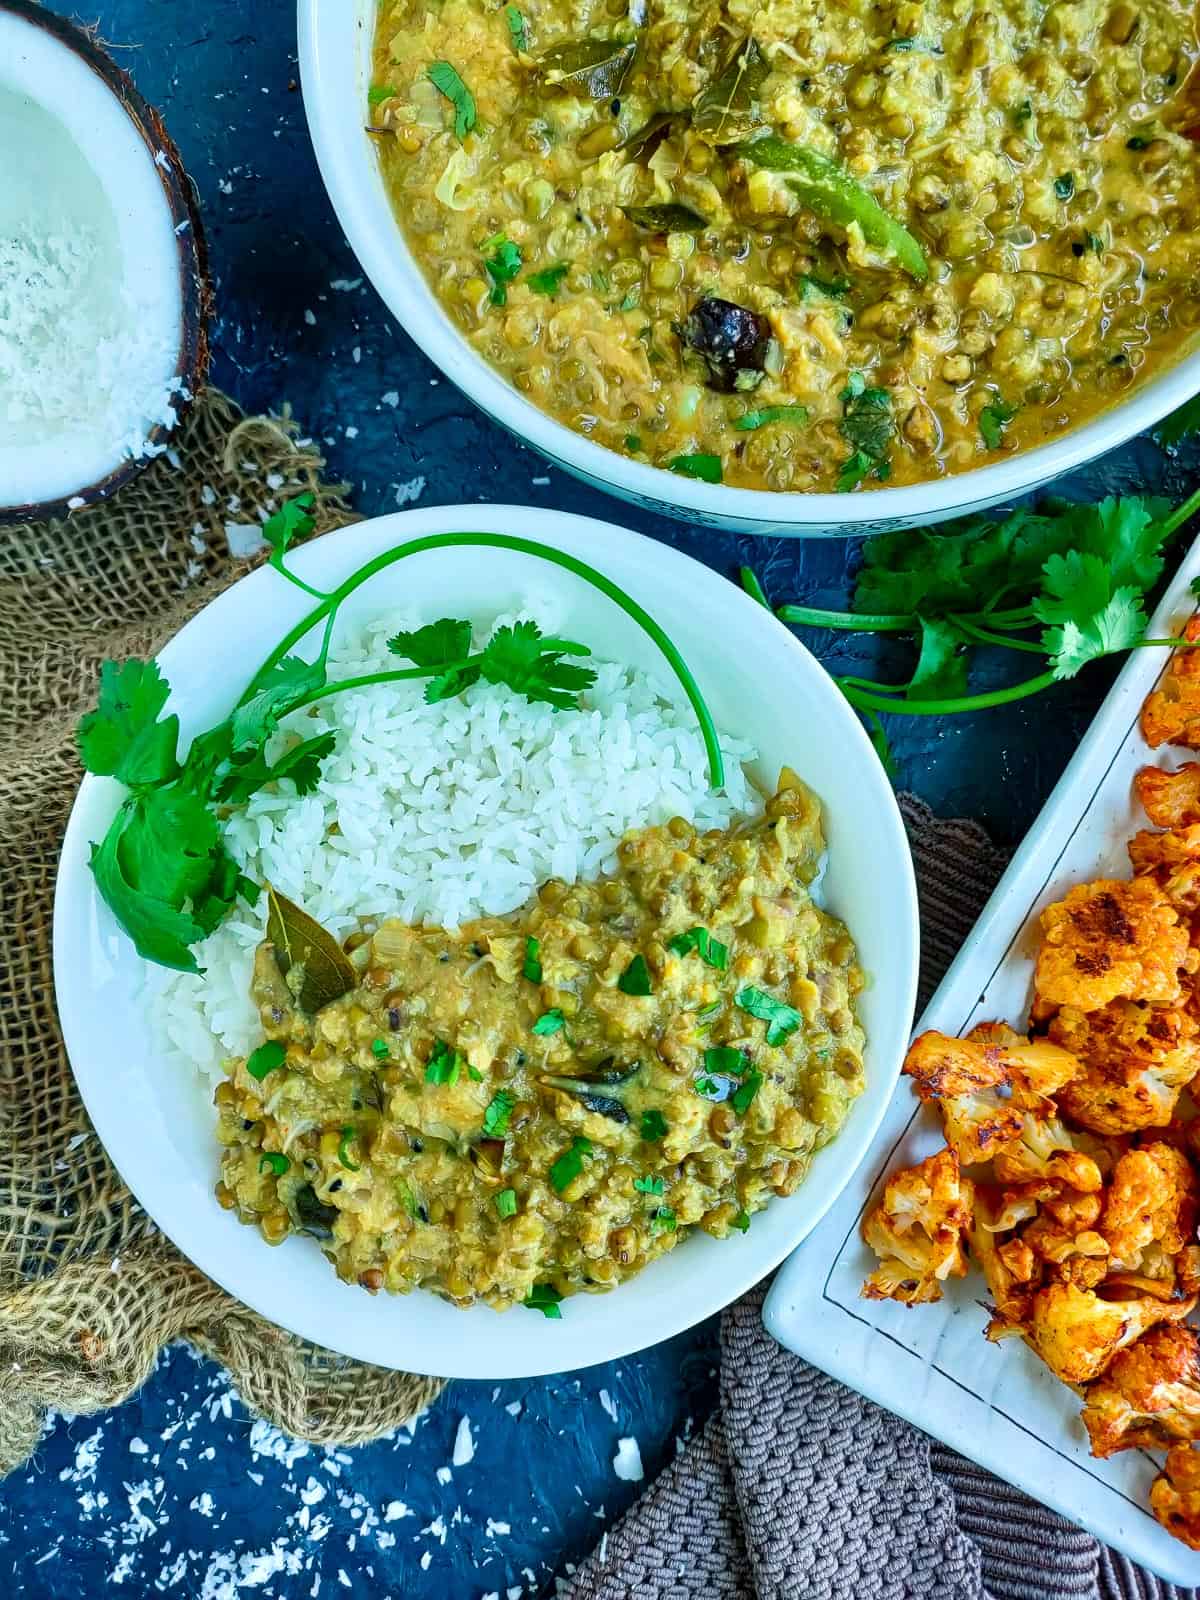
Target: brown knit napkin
x,y
799,1489
90,1291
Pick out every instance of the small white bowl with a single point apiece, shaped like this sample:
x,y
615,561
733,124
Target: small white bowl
x,y
158,1125
83,154
335,64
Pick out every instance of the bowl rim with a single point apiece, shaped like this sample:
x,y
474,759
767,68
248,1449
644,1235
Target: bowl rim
x,y
350,174
77,933
195,283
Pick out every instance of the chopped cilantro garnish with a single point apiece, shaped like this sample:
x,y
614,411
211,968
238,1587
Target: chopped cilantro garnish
x,y
444,1064
549,1022
274,1161
544,1297
662,1220
705,1013
532,968
781,1019
499,1109
1023,112
636,978
474,1074
724,1058
506,1202
407,1199
548,282
378,93
570,1164
445,78
517,655
517,30
379,1049
743,1095
796,415
868,427
741,1222
654,1126
265,1059
705,467
502,266
632,299
710,950
993,420
633,442
348,1134
711,1088
648,1185
1064,185
811,288
1138,141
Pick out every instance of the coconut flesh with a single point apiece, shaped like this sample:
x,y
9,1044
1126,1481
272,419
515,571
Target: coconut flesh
x,y
90,302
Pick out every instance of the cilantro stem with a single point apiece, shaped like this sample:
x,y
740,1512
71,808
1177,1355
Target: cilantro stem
x,y
866,701
752,586
852,621
986,636
559,558
365,681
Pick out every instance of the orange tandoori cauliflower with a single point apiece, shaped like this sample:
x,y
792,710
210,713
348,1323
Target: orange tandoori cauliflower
x,y
1150,1395
1170,799
1135,1060
971,1086
1077,1333
1151,1200
1171,714
917,1231
1106,940
1010,1267
1172,859
1175,1495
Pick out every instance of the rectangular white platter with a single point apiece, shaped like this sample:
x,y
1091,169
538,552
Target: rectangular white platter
x,y
996,1403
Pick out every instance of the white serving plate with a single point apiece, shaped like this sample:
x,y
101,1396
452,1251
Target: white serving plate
x,y
997,1404
158,1125
335,38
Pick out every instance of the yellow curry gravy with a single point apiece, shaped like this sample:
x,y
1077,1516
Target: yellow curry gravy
x,y
492,1115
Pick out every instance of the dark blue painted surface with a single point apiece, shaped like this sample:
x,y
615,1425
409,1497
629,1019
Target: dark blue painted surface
x,y
174,1492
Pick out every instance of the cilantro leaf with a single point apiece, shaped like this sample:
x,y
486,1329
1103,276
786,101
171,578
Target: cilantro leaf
x,y
1172,430
635,980
868,427
744,1094
549,1023
502,266
437,645
993,420
853,470
506,1202
941,672
781,1019
1085,615
549,281
523,659
711,951
811,288
302,764
287,682
653,1186
705,467
499,1110
445,78
444,1064
544,1297
880,742
265,1059
123,737
663,1220
741,1222
451,682
653,1126
292,521
531,967
569,1165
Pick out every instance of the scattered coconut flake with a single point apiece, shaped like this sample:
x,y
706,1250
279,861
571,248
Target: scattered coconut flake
x,y
627,1463
609,1405
464,1445
443,1475
412,490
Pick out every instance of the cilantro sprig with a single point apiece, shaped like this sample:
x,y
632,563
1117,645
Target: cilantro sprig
x,y
1066,583
163,867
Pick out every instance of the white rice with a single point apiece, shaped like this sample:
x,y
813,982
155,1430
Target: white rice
x,y
444,813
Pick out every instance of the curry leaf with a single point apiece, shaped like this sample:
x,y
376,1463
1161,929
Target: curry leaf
x,y
593,67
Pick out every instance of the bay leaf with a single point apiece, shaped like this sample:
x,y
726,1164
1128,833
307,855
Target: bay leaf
x,y
670,217
593,67
312,961
727,110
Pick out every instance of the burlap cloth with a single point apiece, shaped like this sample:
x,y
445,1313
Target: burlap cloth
x,y
795,1488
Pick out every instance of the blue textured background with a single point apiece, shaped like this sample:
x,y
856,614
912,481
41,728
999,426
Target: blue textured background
x,y
174,1492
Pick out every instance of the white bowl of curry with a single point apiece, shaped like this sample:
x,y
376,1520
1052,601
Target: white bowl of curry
x,y
686,1114
746,268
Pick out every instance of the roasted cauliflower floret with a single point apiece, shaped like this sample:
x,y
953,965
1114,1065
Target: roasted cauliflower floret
x,y
1065,1227
1011,1268
1171,714
1047,1151
1150,1201
917,1230
971,1086
1106,940
1175,1495
1135,1060
1077,1333
1170,799
1150,1396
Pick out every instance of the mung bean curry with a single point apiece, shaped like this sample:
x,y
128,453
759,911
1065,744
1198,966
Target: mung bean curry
x,y
796,246
539,1104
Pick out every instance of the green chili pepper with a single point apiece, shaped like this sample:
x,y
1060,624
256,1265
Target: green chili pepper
x,y
828,190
